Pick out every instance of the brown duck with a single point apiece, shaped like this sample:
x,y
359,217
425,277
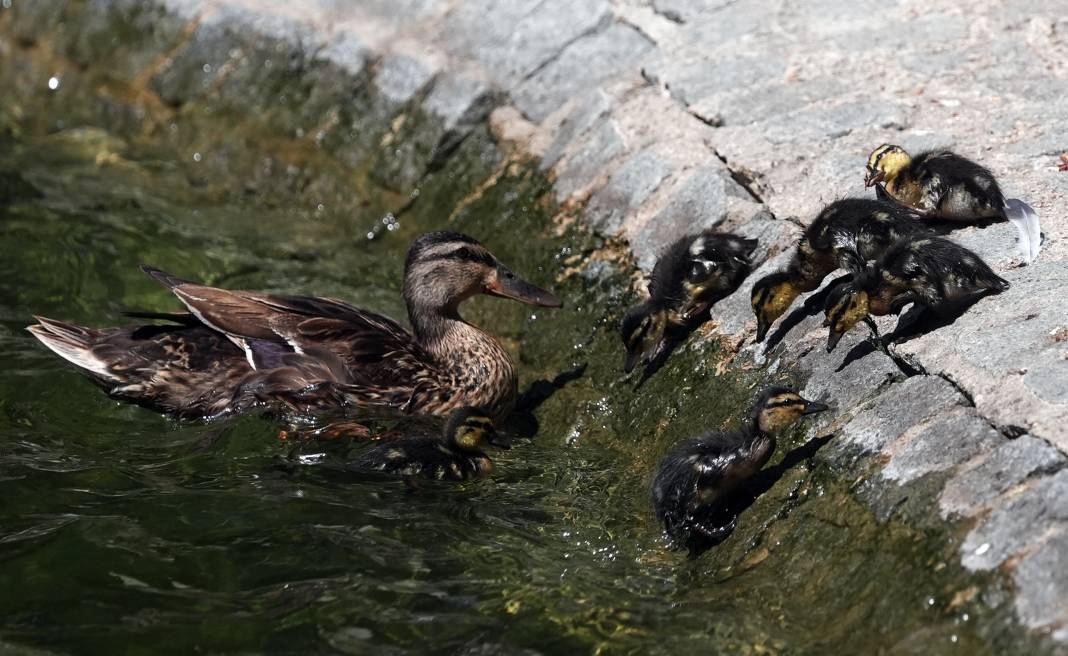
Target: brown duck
x,y
236,350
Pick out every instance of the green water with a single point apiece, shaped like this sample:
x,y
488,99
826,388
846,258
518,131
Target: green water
x,y
123,532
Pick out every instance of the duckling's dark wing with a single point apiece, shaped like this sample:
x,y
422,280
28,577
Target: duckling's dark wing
x,y
419,456
940,170
665,281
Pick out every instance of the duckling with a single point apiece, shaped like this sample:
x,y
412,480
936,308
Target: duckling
x,y
455,456
934,272
846,234
944,185
691,275
694,479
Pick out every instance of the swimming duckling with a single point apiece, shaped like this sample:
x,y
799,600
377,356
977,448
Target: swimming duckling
x,y
455,456
694,478
846,234
941,184
692,274
934,272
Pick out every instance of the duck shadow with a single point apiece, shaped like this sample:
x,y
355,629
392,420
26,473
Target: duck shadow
x,y
522,422
916,322
672,341
743,498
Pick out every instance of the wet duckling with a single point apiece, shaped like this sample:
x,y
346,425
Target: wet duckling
x,y
694,479
944,185
934,272
455,456
846,234
692,274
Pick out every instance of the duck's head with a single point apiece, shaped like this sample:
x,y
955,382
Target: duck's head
x,y
444,268
885,163
643,333
846,306
471,429
771,296
780,407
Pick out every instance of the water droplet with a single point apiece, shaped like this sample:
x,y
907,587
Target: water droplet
x,y
983,548
953,638
207,68
930,601
53,83
6,4
320,207
267,63
964,617
371,235
196,157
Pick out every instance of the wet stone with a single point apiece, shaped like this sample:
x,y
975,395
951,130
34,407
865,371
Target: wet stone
x,y
459,99
192,70
400,77
589,108
1018,524
604,144
347,50
122,36
1042,582
902,406
942,443
626,190
1008,465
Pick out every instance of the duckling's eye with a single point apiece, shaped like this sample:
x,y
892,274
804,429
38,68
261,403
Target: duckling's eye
x,y
699,270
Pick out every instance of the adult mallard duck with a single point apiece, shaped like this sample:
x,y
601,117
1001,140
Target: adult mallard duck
x,y
234,349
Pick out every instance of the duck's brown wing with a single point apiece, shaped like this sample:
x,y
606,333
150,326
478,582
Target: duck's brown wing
x,y
383,364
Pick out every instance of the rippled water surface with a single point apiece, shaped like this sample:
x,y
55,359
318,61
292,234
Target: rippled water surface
x,y
123,532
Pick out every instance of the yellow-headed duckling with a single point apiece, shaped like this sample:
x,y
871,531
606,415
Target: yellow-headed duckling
x,y
455,456
944,185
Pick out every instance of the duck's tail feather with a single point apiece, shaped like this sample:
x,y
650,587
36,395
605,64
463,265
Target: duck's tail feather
x,y
72,343
1024,217
164,278
184,318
